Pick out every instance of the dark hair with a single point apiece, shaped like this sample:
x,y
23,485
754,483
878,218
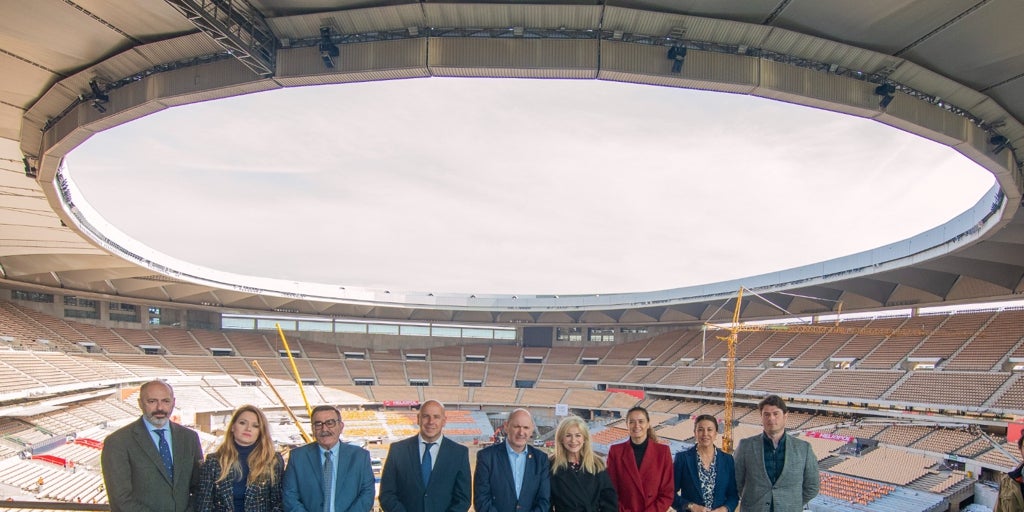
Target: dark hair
x,y
650,428
1020,441
774,401
706,417
324,408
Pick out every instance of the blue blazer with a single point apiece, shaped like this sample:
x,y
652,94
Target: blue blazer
x,y
302,489
688,481
494,489
401,482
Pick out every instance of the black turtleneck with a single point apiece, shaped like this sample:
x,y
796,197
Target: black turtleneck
x,y
639,450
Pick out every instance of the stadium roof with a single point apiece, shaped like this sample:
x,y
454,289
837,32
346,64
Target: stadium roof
x,y
956,71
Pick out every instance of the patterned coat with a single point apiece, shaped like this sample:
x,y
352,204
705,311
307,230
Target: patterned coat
x,y
216,496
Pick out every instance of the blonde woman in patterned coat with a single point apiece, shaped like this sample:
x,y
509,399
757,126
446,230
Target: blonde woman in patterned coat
x,y
244,474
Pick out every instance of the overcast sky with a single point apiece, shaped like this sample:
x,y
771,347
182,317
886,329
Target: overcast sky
x,y
515,186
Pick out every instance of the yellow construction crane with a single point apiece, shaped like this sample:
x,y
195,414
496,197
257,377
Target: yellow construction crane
x,y
298,382
735,328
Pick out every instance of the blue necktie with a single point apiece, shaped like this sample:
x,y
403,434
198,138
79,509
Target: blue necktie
x,y
328,480
428,461
165,453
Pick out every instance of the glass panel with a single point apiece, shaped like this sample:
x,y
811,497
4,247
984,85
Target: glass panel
x,y
344,327
414,330
237,323
314,326
446,332
504,334
382,329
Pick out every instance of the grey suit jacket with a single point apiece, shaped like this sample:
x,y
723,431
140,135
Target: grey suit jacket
x,y
796,486
135,477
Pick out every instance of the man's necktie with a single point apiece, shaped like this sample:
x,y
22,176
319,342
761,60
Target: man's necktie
x,y
328,480
428,461
165,452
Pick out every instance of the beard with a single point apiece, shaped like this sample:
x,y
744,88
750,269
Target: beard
x,y
157,421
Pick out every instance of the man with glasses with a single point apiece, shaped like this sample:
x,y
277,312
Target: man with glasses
x,y
328,475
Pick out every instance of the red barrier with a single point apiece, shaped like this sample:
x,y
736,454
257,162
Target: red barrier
x,y
635,393
60,461
91,443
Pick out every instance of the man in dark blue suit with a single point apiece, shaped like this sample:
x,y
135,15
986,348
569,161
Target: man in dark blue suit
x,y
328,475
426,472
513,476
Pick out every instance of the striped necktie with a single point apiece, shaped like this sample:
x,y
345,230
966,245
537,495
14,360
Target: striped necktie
x,y
328,480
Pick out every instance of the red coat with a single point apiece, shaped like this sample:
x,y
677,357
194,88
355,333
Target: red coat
x,y
645,489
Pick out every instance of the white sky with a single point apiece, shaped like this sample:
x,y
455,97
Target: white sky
x,y
515,186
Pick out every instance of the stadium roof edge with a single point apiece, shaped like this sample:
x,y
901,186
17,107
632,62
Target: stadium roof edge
x,y
792,58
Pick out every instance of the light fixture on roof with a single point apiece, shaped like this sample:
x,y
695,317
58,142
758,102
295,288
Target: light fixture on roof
x,y
886,91
30,170
328,50
518,31
677,54
99,98
998,143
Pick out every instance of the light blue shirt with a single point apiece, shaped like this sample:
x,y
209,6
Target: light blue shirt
x,y
335,450
156,437
517,461
433,450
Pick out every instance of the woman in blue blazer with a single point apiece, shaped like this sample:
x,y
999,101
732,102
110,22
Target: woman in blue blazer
x,y
705,475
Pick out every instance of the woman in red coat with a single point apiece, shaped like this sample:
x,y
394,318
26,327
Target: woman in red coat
x,y
641,468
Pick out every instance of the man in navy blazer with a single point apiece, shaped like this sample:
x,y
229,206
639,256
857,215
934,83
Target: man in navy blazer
x,y
447,489
349,466
513,476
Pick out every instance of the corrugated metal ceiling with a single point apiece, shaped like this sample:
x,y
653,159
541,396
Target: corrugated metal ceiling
x,y
973,42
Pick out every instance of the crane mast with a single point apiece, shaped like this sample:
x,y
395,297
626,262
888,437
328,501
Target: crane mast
x,y
733,337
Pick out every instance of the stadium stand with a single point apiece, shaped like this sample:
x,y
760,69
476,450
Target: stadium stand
x,y
888,465
216,384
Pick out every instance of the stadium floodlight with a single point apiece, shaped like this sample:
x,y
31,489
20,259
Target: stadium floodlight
x,y
328,50
999,143
886,91
677,54
99,98
98,94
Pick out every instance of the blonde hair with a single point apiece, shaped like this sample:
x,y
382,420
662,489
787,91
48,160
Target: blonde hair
x,y
589,462
262,460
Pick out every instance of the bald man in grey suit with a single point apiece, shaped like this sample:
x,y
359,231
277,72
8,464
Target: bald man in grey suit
x,y
135,474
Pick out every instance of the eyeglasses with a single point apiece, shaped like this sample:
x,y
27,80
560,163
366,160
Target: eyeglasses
x,y
328,424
